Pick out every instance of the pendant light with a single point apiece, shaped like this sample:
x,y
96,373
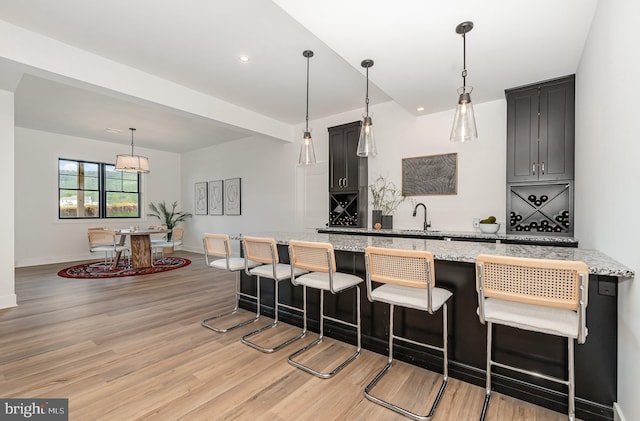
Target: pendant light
x,y
132,163
367,141
307,154
464,123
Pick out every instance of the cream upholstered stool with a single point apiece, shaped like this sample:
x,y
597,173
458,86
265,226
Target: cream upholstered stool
x,y
409,281
546,296
265,251
320,260
219,245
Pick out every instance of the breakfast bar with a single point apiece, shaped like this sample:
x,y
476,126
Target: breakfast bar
x,y
596,359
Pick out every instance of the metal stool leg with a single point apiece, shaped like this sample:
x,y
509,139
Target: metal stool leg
x,y
385,369
245,339
238,293
318,341
487,392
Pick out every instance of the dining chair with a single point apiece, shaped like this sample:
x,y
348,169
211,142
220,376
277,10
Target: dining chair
x,y
105,241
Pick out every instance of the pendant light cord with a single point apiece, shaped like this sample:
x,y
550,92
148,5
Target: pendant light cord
x,y
307,116
367,97
464,59
132,130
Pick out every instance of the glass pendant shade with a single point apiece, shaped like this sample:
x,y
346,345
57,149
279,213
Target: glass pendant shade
x,y
464,123
132,163
307,153
367,140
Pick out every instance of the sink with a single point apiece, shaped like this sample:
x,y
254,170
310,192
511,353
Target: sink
x,y
417,231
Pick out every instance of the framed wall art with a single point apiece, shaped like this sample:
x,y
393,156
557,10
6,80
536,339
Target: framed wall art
x,y
201,198
232,196
216,197
430,175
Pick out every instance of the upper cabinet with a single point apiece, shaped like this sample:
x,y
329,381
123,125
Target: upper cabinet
x,y
348,178
344,165
540,131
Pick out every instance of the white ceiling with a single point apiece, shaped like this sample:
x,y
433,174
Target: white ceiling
x,y
196,43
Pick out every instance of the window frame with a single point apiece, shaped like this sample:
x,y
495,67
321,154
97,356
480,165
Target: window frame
x,y
102,192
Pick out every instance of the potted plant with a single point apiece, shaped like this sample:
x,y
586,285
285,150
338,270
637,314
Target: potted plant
x,y
167,217
385,199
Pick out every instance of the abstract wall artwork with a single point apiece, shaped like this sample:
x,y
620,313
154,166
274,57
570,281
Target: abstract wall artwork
x,y
430,175
232,196
201,198
216,197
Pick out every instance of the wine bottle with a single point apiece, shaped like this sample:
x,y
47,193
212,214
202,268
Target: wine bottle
x,y
544,223
544,198
565,213
512,214
518,217
559,218
532,198
533,224
519,228
512,221
557,229
549,229
527,228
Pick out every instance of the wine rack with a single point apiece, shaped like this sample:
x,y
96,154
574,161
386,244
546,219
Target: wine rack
x,y
343,209
540,209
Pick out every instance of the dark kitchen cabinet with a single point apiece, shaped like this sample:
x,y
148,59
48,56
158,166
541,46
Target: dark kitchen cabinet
x,y
540,131
348,177
540,157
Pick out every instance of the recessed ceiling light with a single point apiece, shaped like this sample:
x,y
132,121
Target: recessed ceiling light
x,y
420,108
244,59
112,130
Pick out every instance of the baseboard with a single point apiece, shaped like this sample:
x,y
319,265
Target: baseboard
x,y
38,261
617,413
8,301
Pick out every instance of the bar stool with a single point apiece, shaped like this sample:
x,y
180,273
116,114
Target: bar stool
x,y
320,260
408,279
546,296
265,251
219,245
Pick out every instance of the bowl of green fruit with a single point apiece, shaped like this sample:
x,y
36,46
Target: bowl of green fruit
x,y
489,225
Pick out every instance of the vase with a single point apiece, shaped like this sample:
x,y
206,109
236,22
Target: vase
x,y
376,218
387,222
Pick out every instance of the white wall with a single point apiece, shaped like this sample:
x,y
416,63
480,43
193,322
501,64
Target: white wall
x,y
607,179
267,170
40,237
7,274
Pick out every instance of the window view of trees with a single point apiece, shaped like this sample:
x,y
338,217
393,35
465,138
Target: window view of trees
x,y
96,190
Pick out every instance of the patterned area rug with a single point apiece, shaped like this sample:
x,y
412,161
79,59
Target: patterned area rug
x,y
98,270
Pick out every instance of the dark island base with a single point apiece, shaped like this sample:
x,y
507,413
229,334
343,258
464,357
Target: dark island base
x,y
595,360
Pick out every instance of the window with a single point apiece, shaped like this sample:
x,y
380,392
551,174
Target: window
x,y
96,190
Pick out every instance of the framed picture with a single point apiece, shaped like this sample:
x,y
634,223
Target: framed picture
x,y
430,175
201,198
215,197
232,196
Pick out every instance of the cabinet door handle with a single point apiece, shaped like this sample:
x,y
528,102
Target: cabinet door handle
x,y
344,184
542,167
533,168
341,182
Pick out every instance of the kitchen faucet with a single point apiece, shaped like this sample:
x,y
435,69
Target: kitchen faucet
x,y
415,211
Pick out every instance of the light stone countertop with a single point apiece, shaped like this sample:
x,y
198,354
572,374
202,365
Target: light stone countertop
x,y
457,251
538,238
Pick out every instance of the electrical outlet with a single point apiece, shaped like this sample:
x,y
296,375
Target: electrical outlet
x,y
476,222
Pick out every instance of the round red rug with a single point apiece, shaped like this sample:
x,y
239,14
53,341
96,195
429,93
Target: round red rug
x,y
97,269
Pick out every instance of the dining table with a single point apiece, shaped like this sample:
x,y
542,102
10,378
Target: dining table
x,y
141,255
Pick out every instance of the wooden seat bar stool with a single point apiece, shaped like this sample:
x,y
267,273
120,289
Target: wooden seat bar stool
x,y
408,280
540,295
265,251
219,245
319,259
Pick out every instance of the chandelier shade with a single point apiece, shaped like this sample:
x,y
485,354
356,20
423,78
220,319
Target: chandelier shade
x,y
132,163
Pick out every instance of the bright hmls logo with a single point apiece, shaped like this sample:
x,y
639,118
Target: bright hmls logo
x,y
34,409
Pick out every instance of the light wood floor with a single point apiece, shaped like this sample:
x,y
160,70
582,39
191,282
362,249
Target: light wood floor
x,y
133,348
